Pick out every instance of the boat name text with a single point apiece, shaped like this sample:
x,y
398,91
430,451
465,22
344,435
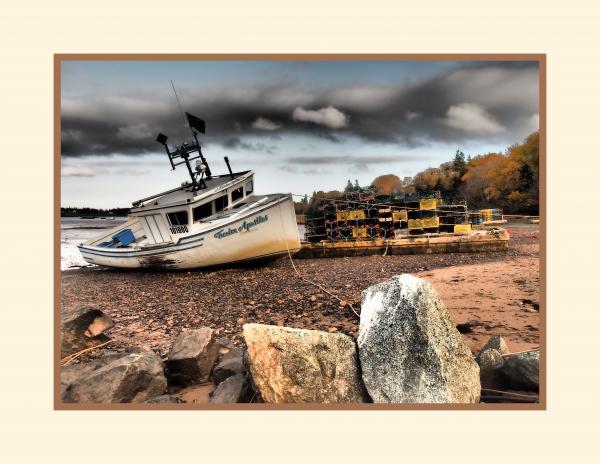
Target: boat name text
x,y
246,226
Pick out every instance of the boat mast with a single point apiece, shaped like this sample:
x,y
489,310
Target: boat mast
x,y
189,152
194,124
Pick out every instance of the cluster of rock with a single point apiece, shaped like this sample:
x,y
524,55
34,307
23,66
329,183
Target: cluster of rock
x,y
408,350
197,357
501,370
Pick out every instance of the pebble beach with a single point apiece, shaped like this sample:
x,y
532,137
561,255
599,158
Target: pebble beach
x,y
492,293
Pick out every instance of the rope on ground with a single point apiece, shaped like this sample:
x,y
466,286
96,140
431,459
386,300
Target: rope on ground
x,y
521,352
490,390
387,244
66,360
319,286
304,278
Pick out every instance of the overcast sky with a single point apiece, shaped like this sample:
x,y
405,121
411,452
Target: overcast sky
x,y
301,126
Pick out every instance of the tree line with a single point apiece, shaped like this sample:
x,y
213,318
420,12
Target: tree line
x,y
508,180
72,211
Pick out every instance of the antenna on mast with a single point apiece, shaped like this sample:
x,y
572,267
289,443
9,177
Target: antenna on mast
x,y
185,121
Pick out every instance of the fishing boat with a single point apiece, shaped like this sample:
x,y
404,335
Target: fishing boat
x,y
211,220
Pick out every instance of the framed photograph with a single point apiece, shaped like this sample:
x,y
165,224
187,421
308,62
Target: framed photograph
x,y
300,231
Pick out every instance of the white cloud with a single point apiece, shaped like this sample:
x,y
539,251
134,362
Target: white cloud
x,y
472,118
135,132
329,116
76,171
265,124
534,122
410,115
363,97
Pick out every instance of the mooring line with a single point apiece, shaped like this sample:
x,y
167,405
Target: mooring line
x,y
304,278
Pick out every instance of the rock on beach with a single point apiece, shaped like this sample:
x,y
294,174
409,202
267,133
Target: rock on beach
x,y
490,362
409,348
227,368
234,389
523,370
497,343
192,357
82,327
303,366
115,378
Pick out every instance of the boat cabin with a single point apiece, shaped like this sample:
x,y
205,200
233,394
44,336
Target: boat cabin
x,y
184,210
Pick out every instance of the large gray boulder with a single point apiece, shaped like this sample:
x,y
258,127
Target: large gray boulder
x,y
303,366
192,357
234,389
82,327
115,378
409,348
523,370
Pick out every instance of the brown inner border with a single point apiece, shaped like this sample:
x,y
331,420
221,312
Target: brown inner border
x,y
61,57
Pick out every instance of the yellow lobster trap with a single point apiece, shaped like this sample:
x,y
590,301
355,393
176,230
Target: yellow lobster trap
x,y
415,224
428,204
431,223
400,216
462,228
359,232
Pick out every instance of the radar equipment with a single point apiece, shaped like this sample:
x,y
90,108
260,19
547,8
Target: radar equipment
x,y
187,152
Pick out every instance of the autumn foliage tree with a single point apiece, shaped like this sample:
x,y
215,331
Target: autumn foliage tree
x,y
388,183
507,180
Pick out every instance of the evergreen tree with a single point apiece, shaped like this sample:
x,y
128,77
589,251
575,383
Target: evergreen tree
x,y
459,164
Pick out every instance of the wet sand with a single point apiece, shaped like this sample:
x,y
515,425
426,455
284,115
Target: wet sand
x,y
495,293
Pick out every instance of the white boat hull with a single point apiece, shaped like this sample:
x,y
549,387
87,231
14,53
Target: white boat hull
x,y
267,232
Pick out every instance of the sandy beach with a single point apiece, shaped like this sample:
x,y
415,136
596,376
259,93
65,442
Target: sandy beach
x,y
495,293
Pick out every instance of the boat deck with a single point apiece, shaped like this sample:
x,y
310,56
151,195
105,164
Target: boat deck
x,y
181,194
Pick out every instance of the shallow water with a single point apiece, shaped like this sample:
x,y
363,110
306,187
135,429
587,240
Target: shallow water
x,y
73,231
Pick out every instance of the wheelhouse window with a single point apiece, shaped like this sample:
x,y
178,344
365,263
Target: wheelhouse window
x,y
221,203
210,208
237,194
178,218
202,211
249,187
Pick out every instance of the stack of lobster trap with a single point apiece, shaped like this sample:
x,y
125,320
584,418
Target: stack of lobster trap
x,y
366,215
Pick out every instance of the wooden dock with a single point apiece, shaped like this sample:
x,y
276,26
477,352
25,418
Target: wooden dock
x,y
409,245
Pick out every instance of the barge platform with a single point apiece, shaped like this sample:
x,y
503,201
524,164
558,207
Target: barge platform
x,y
478,241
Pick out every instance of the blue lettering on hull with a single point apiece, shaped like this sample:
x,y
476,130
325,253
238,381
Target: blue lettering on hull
x,y
246,226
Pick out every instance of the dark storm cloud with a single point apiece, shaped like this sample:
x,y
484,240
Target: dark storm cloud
x,y
473,101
